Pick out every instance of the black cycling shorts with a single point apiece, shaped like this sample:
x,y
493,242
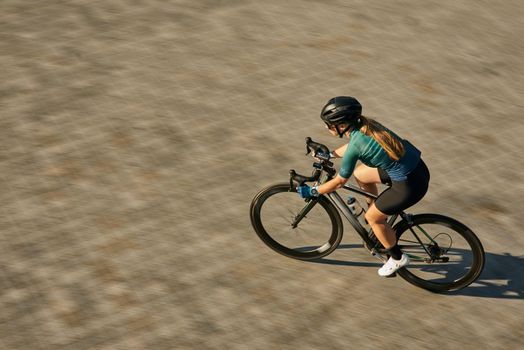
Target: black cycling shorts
x,y
401,195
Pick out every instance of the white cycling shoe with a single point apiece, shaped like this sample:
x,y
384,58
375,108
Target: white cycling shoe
x,y
392,265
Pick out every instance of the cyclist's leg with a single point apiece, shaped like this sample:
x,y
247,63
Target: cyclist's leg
x,y
399,196
403,194
378,222
384,232
367,178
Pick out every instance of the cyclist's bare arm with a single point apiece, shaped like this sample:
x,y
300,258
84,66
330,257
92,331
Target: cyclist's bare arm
x,y
332,185
339,152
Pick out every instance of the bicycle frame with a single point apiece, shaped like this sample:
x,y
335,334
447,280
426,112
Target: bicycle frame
x,y
339,202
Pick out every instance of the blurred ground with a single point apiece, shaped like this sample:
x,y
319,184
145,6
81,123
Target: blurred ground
x,y
134,135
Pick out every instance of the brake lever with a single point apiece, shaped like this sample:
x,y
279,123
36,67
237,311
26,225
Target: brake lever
x,y
292,174
308,150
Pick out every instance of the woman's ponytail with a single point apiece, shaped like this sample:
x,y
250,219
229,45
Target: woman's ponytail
x,y
389,142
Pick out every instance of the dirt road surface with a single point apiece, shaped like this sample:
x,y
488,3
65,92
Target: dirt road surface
x,y
134,134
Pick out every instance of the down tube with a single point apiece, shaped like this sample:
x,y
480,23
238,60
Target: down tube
x,y
335,198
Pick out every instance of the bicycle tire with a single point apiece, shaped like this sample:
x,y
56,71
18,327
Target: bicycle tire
x,y
323,203
446,225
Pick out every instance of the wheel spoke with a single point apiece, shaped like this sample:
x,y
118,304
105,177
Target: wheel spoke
x,y
451,258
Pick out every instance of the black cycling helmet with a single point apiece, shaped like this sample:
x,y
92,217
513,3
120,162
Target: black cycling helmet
x,y
341,109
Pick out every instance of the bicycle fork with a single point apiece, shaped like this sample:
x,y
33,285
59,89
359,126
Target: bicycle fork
x,y
303,212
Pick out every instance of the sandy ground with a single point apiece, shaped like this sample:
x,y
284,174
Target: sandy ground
x,y
134,135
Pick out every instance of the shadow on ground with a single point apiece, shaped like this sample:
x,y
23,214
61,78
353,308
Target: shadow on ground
x,y
502,277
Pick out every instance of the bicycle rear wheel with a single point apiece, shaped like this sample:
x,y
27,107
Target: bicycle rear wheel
x,y
445,254
274,212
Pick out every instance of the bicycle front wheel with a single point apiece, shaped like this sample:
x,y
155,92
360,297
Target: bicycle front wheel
x,y
294,227
445,254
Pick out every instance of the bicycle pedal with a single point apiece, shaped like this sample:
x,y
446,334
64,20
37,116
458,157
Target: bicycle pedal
x,y
394,274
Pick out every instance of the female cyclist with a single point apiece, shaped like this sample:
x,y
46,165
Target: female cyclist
x,y
386,158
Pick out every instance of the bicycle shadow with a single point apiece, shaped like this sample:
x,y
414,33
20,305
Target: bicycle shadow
x,y
347,263
502,277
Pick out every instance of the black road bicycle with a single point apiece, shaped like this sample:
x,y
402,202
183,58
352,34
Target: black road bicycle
x,y
445,254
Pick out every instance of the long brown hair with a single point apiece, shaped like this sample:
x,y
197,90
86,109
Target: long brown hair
x,y
389,142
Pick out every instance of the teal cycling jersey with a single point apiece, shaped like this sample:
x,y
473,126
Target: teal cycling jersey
x,y
368,151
